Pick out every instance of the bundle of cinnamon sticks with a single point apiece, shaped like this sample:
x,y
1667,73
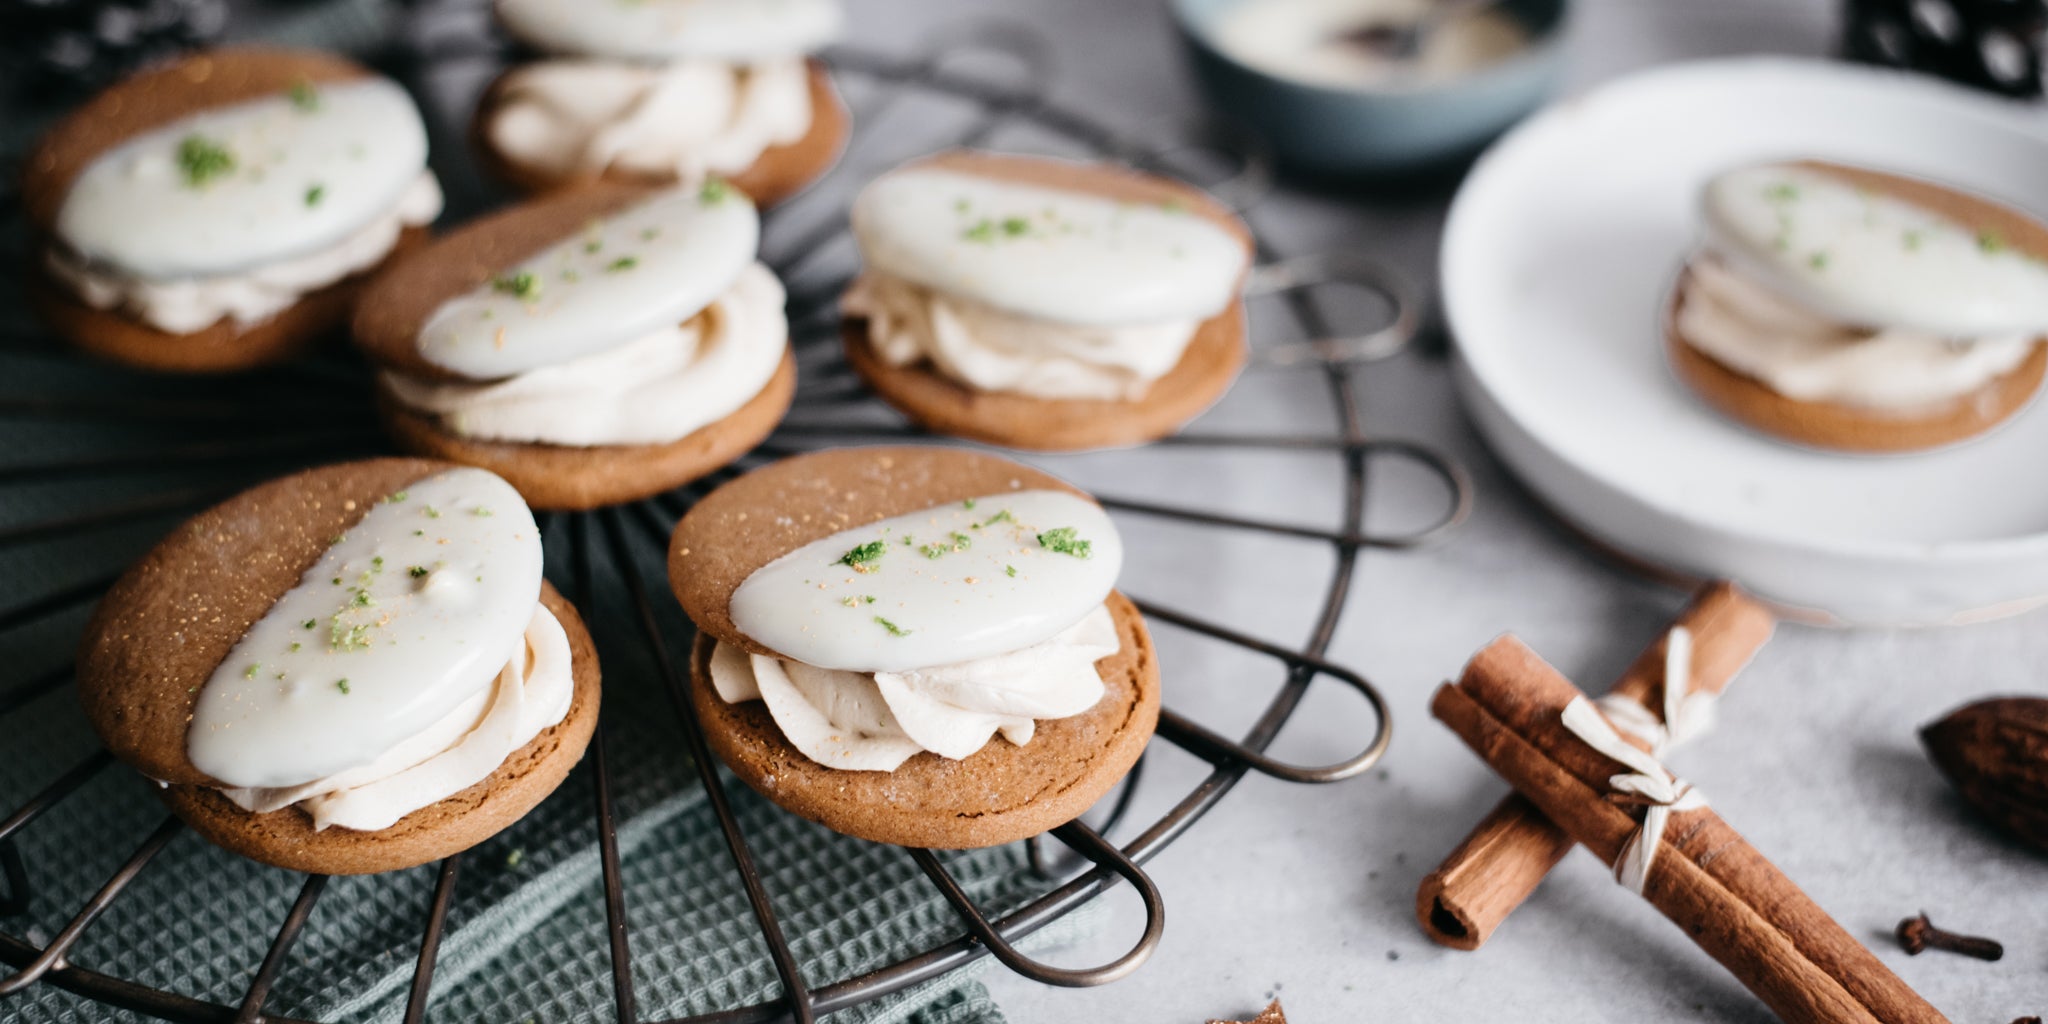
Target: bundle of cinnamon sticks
x,y
1510,706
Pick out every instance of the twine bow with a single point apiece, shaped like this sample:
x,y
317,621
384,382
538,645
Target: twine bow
x,y
1663,792
1687,715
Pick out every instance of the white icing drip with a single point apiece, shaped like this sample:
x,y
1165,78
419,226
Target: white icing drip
x,y
1752,330
1046,253
1867,258
989,349
302,181
734,30
658,389
185,305
687,119
955,583
533,692
875,721
642,269
389,652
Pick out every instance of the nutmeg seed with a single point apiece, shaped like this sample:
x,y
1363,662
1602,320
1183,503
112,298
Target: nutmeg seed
x,y
1995,752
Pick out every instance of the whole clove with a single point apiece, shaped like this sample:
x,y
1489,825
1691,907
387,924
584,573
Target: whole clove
x,y
1918,933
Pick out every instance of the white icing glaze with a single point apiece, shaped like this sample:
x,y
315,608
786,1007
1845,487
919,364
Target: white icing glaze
x,y
533,691
305,176
647,267
657,389
412,648
1751,329
185,305
734,30
990,349
688,119
875,721
1867,258
956,583
1053,254
1307,40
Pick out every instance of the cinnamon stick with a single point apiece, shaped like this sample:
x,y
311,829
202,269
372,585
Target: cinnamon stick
x,y
1506,856
1725,895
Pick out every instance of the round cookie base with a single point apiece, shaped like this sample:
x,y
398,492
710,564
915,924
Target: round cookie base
x,y
286,839
777,174
224,347
999,794
1847,428
943,405
565,478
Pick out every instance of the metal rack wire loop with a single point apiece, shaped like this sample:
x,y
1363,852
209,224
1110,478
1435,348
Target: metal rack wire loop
x,y
1302,273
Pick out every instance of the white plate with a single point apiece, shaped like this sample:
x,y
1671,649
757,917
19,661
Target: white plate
x,y
1559,250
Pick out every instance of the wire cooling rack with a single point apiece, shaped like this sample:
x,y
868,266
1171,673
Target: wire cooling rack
x,y
832,407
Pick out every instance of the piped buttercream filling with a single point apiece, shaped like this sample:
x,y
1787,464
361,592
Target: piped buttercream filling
x,y
874,721
1742,323
652,390
690,118
533,692
189,304
992,349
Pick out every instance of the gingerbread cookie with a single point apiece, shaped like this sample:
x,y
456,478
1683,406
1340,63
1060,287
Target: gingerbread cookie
x,y
1855,310
357,668
915,645
1044,304
666,92
218,211
594,346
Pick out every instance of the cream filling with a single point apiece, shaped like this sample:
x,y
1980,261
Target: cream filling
x,y
651,390
533,692
991,349
1746,326
860,721
186,305
689,118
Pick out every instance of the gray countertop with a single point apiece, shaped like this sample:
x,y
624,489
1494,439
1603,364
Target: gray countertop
x,y
1305,892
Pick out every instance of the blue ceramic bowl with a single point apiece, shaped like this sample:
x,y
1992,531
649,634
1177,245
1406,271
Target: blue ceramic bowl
x,y
1336,132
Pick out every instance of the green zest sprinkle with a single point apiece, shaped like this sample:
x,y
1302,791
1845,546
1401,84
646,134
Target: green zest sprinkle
x,y
431,511
715,191
396,496
342,685
251,673
294,647
864,557
1001,517
309,623
961,205
622,263
868,598
1990,242
480,511
1063,541
1010,571
894,629
1819,260
1913,241
314,194
512,859
1783,192
202,160
958,542
593,245
525,285
968,504
304,97
416,571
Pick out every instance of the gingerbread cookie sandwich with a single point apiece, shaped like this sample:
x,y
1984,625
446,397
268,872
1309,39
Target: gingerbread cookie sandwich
x,y
1856,310
920,646
1039,303
217,212
357,668
595,346
660,92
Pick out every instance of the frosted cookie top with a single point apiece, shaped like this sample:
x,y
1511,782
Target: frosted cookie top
x,y
1872,259
965,580
235,187
1055,254
648,266
412,611
732,30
